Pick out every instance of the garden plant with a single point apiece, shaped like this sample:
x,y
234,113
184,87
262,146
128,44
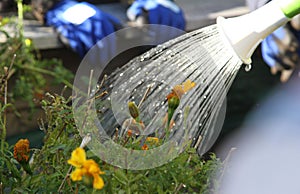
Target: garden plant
x,y
64,163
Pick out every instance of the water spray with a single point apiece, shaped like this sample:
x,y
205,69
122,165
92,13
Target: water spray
x,y
209,57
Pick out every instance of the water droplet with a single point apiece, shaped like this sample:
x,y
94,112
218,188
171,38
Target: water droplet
x,y
159,48
183,185
205,97
121,74
146,55
248,67
110,86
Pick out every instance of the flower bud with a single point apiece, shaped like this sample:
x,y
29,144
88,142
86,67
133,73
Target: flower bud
x,y
5,70
173,102
133,110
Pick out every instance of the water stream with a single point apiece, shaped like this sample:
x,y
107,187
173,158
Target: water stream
x,y
200,56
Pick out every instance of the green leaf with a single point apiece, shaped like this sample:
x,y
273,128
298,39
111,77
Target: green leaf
x,y
137,177
10,164
57,147
121,176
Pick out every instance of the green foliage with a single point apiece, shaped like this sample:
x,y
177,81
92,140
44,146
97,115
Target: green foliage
x,y
188,173
30,74
49,163
61,137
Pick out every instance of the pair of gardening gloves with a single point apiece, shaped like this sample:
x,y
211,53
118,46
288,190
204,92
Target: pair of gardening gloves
x,y
81,25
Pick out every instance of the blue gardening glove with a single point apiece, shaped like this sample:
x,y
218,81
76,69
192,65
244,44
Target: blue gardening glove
x,y
281,51
81,24
163,12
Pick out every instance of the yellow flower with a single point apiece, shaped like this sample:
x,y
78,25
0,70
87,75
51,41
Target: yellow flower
x,y
77,174
78,158
22,151
188,85
179,90
28,42
92,169
88,169
152,140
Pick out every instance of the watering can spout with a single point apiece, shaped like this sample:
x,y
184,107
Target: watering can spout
x,y
244,33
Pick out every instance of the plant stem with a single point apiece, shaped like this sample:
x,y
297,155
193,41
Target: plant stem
x,y
20,16
3,135
65,178
4,117
90,82
145,95
6,77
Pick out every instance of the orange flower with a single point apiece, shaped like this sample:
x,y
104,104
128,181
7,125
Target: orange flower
x,y
129,132
87,169
145,147
22,151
